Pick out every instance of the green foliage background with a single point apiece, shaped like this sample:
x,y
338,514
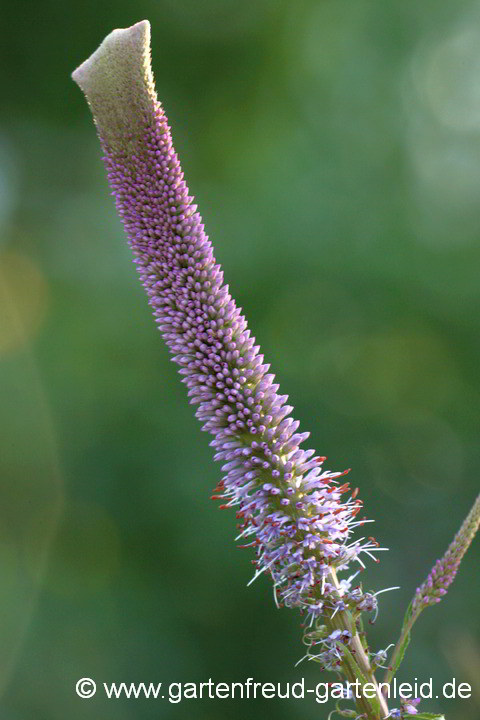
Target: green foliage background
x,y
333,147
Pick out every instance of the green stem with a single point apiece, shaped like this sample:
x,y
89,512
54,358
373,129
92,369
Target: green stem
x,y
343,620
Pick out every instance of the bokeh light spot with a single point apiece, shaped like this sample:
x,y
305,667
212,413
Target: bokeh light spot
x,y
448,77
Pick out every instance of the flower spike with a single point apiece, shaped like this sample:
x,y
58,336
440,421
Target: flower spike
x,y
443,572
435,586
292,511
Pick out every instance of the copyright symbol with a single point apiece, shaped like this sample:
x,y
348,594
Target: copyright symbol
x,y
86,688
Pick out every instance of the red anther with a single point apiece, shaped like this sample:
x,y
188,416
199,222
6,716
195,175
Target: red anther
x,y
222,507
239,515
344,487
215,497
320,460
355,493
327,541
355,511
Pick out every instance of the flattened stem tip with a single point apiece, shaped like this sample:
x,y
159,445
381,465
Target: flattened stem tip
x,y
117,81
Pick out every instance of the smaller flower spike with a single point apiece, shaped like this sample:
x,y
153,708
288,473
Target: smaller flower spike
x,y
435,586
291,512
443,572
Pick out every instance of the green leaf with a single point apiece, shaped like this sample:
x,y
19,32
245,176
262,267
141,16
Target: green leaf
x,y
425,716
402,644
373,701
354,666
345,713
408,615
400,655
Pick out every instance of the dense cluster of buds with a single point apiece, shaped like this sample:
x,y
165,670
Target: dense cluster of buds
x,y
295,514
443,572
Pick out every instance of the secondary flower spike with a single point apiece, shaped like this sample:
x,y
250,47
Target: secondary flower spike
x,y
443,572
294,514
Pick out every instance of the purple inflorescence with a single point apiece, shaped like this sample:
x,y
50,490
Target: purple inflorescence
x,y
290,510
443,572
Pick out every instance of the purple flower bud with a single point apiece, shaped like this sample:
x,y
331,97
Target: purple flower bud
x,y
297,540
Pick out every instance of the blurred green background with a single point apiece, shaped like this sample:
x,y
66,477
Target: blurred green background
x,y
333,147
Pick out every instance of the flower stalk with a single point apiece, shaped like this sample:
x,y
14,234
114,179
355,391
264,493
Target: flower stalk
x,y
371,707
